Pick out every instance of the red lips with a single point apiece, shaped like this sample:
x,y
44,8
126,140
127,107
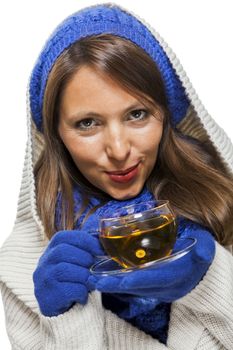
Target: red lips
x,y
125,175
122,172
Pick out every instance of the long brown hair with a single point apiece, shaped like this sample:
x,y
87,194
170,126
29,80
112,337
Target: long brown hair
x,y
188,173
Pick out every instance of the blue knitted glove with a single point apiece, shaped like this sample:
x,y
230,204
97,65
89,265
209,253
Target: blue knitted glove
x,y
61,277
168,282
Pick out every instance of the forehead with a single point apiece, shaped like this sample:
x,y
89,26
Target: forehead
x,y
91,88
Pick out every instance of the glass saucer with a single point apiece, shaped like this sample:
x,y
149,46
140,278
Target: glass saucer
x,y
108,267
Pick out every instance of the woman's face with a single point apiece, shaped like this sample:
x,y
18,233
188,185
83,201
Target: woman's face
x,y
111,136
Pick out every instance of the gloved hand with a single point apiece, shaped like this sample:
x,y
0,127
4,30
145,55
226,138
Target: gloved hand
x,y
61,277
167,282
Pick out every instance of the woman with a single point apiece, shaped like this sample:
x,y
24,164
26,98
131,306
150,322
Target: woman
x,y
113,121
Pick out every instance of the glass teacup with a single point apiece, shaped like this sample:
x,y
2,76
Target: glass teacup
x,y
139,234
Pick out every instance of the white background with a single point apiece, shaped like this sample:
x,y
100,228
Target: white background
x,y
199,32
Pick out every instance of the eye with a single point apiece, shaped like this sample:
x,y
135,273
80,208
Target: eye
x,y
139,114
85,124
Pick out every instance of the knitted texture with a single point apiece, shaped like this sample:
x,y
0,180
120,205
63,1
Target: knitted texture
x,y
196,320
143,312
154,322
61,277
105,18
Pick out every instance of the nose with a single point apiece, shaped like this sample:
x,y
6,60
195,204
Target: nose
x,y
117,143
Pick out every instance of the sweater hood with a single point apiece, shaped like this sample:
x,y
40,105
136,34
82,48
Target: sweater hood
x,y
24,246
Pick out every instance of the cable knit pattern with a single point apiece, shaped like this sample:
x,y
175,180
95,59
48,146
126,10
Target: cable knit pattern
x,y
202,320
94,20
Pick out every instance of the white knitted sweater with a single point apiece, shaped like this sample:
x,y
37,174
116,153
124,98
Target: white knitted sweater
x,y
202,320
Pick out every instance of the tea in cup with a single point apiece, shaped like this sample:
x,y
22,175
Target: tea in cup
x,y
139,234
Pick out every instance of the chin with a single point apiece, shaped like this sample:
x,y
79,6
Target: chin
x,y
120,194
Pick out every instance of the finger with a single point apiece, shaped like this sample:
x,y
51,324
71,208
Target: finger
x,y
117,285
163,276
65,272
109,285
91,282
204,251
80,239
70,254
113,285
75,292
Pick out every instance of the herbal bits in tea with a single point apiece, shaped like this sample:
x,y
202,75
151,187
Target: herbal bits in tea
x,y
140,253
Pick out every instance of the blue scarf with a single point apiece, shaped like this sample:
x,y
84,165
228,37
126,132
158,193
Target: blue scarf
x,y
143,313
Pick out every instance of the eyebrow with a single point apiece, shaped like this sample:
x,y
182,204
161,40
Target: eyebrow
x,y
88,114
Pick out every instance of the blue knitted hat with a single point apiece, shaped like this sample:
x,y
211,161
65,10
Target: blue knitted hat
x,y
104,18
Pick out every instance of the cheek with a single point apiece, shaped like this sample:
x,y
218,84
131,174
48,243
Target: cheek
x,y
81,153
152,141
